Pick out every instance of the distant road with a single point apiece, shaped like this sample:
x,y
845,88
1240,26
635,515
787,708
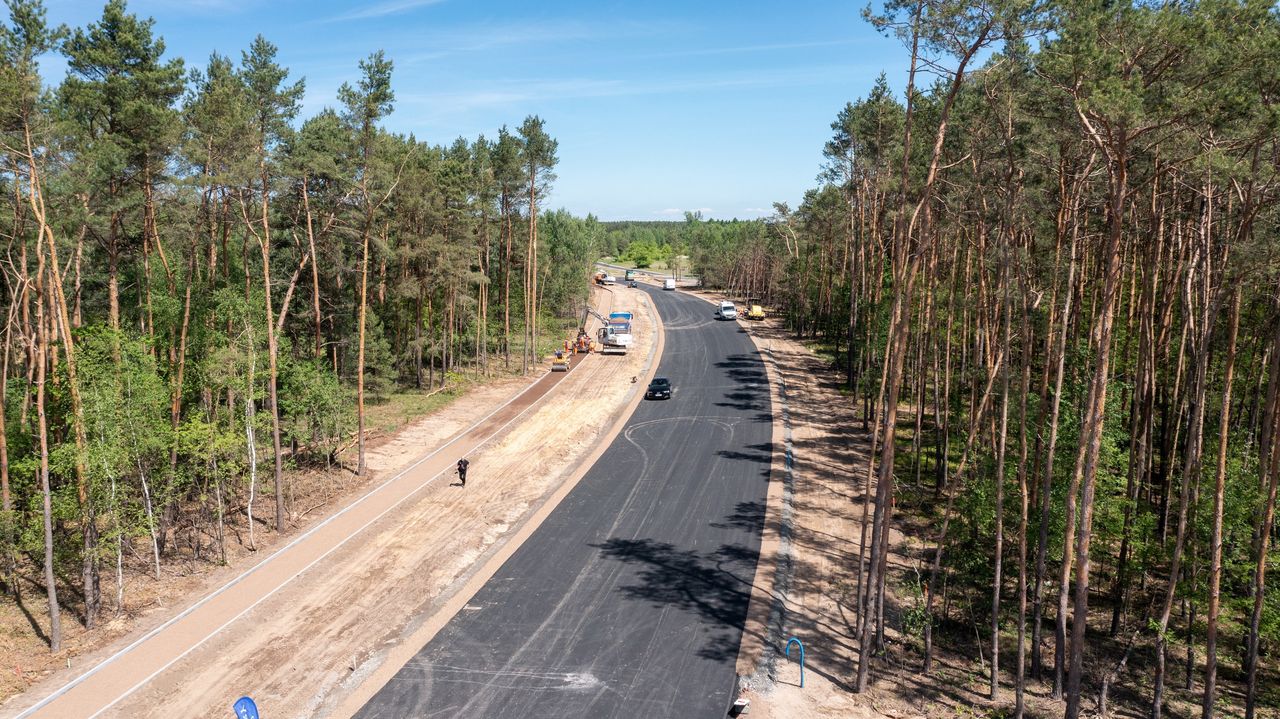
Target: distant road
x,y
630,599
652,273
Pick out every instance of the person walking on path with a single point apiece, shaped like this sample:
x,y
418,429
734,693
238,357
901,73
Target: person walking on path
x,y
462,471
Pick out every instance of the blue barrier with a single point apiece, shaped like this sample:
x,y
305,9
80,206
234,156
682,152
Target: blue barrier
x,y
245,708
788,653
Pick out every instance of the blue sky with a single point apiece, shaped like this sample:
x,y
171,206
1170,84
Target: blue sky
x,y
659,107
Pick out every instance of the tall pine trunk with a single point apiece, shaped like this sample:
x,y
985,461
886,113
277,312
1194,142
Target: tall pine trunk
x,y
1215,541
1095,414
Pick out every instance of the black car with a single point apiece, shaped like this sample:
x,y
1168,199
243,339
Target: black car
x,y
659,388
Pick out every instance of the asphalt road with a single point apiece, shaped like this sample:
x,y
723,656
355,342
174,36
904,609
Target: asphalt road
x,y
630,599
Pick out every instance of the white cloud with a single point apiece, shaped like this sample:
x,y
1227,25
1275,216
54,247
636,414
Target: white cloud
x,y
382,9
757,210
520,92
514,94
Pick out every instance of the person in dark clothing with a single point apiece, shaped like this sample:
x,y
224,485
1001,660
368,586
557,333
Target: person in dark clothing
x,y
462,471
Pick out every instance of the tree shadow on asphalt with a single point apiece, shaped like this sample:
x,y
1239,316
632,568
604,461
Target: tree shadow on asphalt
x,y
716,586
747,516
761,453
744,367
746,400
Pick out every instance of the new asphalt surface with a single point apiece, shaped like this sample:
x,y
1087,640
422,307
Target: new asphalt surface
x,y
630,599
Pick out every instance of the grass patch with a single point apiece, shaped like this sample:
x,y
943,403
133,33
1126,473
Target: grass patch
x,y
825,351
406,405
401,408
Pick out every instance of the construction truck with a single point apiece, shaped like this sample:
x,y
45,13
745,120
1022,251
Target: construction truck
x,y
610,343
610,339
619,325
561,362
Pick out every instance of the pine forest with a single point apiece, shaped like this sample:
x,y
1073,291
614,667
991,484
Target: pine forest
x,y
1044,265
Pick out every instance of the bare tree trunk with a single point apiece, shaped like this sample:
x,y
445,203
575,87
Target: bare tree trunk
x,y
61,318
1020,679
175,403
364,308
1046,487
1191,463
264,244
998,551
1095,414
886,413
1215,542
533,265
42,345
864,592
151,518
997,367
1269,475
528,302
315,267
6,502
250,434
418,339
506,287
115,511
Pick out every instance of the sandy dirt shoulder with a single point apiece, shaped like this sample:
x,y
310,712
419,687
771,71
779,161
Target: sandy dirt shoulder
x,y
305,647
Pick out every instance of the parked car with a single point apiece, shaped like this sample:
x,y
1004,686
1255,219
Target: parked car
x,y
659,388
669,284
727,311
755,313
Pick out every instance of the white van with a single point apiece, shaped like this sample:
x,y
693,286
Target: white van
x,y
669,284
727,311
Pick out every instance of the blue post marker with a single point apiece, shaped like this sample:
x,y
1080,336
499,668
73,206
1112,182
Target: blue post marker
x,y
788,653
245,708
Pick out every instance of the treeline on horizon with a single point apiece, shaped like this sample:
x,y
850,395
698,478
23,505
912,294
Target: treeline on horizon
x,y
707,248
203,290
1050,270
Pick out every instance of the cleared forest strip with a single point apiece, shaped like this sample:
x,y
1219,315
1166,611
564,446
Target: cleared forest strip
x,y
362,687
159,648
186,576
303,650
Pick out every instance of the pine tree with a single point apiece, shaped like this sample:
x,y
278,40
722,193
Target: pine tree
x,y
366,103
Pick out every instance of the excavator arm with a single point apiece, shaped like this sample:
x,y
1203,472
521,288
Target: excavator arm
x,y
588,312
